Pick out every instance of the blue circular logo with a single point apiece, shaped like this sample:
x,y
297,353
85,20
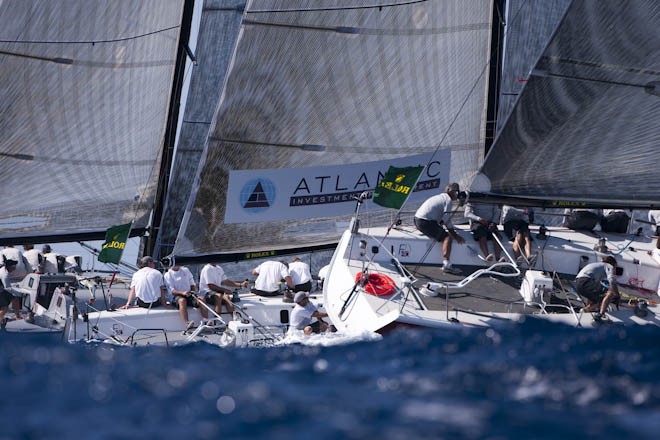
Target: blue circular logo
x,y
257,195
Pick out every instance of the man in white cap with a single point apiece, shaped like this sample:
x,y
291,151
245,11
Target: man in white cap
x,y
302,314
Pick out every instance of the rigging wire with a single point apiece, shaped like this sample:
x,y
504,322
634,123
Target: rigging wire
x,y
339,8
92,42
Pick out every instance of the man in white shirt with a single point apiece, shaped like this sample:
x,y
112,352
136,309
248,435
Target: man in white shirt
x,y
147,285
435,213
211,280
588,285
484,218
34,258
300,275
9,295
181,291
302,314
269,274
22,267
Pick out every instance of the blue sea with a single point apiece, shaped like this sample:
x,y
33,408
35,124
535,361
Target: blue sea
x,y
530,380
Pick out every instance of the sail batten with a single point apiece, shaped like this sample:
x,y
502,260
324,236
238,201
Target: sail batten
x,y
315,89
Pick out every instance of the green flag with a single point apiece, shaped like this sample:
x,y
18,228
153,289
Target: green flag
x,y
115,241
396,186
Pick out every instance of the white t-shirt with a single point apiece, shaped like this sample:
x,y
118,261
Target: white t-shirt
x,y
323,273
301,316
436,208
21,270
147,282
32,257
299,272
6,282
270,274
211,275
181,279
50,265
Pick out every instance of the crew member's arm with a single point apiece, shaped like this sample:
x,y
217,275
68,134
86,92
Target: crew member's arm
x,y
219,289
236,284
131,297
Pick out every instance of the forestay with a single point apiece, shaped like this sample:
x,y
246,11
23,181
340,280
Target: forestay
x,y
317,89
85,93
585,127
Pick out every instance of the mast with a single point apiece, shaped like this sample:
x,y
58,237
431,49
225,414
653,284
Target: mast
x,y
170,133
495,69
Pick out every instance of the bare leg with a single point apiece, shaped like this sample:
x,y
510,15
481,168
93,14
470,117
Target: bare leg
x,y
16,305
446,247
528,244
609,296
516,246
183,310
202,310
228,304
483,244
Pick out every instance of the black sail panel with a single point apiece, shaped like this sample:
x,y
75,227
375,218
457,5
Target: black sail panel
x,y
585,126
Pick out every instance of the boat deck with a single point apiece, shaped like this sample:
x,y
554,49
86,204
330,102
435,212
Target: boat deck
x,y
487,294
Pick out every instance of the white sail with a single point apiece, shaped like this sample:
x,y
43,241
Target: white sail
x,y
326,84
85,88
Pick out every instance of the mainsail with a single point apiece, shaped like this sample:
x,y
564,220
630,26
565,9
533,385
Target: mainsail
x,y
585,131
316,88
85,91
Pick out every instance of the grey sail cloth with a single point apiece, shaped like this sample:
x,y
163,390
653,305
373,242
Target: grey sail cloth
x,y
217,32
85,88
356,84
586,125
529,27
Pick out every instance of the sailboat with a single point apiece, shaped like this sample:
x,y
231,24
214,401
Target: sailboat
x,y
580,135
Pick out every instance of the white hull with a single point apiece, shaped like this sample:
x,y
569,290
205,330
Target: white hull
x,y
564,251
257,321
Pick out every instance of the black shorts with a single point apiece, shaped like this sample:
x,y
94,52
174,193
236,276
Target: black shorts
x,y
479,230
190,301
264,293
5,298
212,297
316,327
589,288
304,287
146,305
431,229
513,227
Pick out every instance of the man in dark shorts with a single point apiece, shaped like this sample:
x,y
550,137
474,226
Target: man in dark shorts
x,y
483,225
516,228
433,219
589,285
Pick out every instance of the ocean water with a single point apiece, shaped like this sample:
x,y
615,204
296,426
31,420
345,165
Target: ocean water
x,y
529,380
